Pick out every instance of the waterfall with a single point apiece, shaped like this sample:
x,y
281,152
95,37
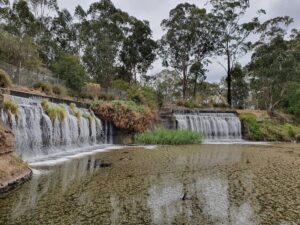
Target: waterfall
x,y
215,126
38,135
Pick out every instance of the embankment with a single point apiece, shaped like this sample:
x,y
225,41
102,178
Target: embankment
x,y
13,171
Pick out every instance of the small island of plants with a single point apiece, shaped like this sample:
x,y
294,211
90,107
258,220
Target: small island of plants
x,y
169,137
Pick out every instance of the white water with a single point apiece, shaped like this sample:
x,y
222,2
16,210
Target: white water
x,y
215,126
38,136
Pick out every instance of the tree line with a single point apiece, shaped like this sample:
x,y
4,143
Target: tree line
x,y
105,44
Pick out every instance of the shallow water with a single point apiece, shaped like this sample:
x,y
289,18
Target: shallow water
x,y
207,184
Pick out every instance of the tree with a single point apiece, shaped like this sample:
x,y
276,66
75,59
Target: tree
x,y
273,66
197,72
138,52
240,88
233,34
69,69
102,38
188,40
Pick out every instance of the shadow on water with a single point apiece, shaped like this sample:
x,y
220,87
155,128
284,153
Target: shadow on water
x,y
208,184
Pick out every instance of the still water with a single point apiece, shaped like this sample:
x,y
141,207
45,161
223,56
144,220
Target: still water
x,y
207,184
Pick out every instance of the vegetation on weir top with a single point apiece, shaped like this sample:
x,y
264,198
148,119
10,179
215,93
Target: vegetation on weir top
x,y
267,129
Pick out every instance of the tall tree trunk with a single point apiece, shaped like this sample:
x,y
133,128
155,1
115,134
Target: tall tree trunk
x,y
229,99
184,88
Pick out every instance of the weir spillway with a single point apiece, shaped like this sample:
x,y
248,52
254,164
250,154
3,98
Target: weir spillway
x,y
214,125
37,135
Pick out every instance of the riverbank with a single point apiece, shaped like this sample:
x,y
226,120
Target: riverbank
x,y
259,126
13,171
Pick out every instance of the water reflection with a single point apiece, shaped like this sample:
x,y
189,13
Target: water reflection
x,y
53,179
213,185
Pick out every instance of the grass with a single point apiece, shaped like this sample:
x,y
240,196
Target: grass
x,y
54,111
5,80
75,111
268,129
169,137
11,106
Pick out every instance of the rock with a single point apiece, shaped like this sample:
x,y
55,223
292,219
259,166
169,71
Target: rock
x,y
298,138
7,140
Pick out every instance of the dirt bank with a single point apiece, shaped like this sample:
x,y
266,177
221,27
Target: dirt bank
x,y
13,171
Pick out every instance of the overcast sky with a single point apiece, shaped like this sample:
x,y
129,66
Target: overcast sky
x,y
156,10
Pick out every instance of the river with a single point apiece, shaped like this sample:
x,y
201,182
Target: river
x,y
199,184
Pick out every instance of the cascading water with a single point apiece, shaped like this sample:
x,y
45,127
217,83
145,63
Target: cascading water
x,y
215,126
38,135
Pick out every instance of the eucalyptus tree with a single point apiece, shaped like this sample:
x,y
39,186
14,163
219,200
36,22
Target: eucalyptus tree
x,y
273,67
138,49
188,40
233,34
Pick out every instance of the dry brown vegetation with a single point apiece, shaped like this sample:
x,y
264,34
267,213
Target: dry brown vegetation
x,y
125,114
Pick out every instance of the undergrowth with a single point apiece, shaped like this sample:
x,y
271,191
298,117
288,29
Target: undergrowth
x,y
169,137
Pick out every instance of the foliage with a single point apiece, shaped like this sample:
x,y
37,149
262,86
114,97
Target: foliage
x,y
5,80
21,52
272,68
44,87
54,111
268,129
187,104
291,101
75,111
125,114
142,95
121,85
59,90
252,126
232,34
69,69
169,137
189,39
240,88
92,90
11,106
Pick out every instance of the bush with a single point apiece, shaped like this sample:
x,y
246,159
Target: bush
x,y
187,104
75,111
169,137
11,106
44,87
121,85
5,81
59,90
142,95
125,114
92,90
54,111
268,130
107,97
252,126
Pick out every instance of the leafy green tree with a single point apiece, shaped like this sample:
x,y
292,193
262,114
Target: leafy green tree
x,y
103,35
70,69
240,88
197,72
233,34
138,52
188,40
273,67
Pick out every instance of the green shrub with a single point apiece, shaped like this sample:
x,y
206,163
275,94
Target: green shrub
x,y
169,137
107,97
44,87
59,90
121,85
75,111
251,124
11,106
187,104
54,111
5,81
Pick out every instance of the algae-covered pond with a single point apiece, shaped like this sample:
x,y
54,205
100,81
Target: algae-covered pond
x,y
200,184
